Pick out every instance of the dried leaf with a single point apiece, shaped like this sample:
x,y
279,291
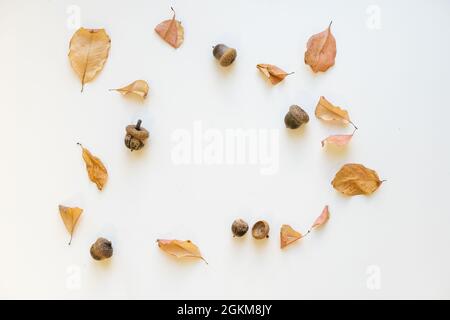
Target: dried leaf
x,y
70,218
95,168
321,51
322,219
180,248
288,235
171,31
88,51
272,72
138,87
338,139
354,179
326,111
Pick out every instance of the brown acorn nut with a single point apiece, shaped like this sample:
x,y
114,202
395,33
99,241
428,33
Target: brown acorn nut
x,y
136,136
260,230
101,249
295,117
239,228
224,54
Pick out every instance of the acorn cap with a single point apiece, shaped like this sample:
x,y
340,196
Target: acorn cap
x,y
260,230
140,134
228,57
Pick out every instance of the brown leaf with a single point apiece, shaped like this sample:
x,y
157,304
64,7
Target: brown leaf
x,y
171,31
70,218
272,72
338,139
138,87
354,179
180,248
95,168
288,235
321,51
88,51
326,111
322,219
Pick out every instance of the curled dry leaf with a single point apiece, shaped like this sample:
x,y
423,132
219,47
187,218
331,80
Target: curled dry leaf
x,y
89,49
321,51
288,235
138,87
326,111
171,31
322,219
180,248
338,139
354,179
70,218
95,168
272,72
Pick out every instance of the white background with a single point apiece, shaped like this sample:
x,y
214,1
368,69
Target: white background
x,y
393,80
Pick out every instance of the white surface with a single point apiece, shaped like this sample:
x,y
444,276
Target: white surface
x,y
394,82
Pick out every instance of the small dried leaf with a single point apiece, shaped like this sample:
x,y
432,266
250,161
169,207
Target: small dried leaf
x,y
288,235
326,111
338,139
322,219
272,72
95,168
171,31
180,248
88,51
138,87
321,51
70,218
354,179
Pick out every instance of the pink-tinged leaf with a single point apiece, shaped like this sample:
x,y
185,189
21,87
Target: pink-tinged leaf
x,y
322,219
338,139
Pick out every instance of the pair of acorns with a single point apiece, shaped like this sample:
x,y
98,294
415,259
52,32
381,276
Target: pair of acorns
x,y
260,229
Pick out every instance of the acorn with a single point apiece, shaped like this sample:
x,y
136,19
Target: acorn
x,y
239,227
136,136
224,54
101,249
260,230
295,117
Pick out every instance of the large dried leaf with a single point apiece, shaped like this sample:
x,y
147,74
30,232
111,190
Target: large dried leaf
x,y
171,31
326,111
354,179
70,218
138,87
322,219
288,235
95,168
89,49
273,73
338,139
321,51
180,248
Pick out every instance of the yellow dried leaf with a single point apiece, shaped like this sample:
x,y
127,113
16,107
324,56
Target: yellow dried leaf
x,y
321,51
138,87
288,235
354,179
326,111
95,168
70,218
322,219
88,51
180,248
171,31
273,73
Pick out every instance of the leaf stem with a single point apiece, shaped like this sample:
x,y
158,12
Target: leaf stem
x,y
138,124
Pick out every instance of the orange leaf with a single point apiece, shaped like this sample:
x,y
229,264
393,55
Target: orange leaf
x,y
326,111
355,179
180,248
322,219
321,51
171,31
70,218
138,87
288,235
272,72
96,170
